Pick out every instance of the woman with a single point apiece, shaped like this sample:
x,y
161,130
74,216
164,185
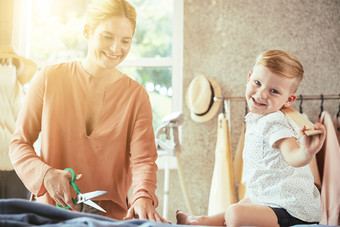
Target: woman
x,y
93,119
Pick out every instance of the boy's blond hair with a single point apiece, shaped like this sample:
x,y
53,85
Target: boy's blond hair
x,y
282,63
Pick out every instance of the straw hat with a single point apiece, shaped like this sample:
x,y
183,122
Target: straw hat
x,y
200,98
25,67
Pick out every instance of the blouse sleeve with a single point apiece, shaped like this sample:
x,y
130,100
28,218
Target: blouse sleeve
x,y
28,165
143,153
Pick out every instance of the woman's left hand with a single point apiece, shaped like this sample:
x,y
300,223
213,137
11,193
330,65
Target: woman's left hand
x,y
143,208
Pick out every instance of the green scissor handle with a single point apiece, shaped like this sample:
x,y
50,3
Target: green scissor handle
x,y
74,186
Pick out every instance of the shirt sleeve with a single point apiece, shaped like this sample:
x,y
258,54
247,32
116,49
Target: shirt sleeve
x,y
28,165
278,128
143,153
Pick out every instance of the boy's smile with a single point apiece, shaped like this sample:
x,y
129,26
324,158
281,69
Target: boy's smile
x,y
267,92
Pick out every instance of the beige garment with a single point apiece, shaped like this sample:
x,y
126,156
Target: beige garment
x,y
314,166
329,167
222,191
238,166
11,98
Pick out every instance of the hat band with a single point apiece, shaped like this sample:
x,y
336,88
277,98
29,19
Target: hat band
x,y
211,102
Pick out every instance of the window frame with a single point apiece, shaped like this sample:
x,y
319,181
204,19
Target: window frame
x,y
175,62
23,17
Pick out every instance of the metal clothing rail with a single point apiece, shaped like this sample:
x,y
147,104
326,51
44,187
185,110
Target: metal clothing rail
x,y
300,97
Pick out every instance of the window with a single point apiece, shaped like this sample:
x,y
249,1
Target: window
x,y
155,58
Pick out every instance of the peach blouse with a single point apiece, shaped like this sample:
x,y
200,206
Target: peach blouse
x,y
119,152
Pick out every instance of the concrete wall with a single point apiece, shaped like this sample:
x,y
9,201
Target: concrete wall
x,y
221,40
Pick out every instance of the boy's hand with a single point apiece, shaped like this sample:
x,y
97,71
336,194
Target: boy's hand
x,y
312,144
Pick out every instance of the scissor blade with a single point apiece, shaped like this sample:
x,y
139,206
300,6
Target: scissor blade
x,y
94,205
90,195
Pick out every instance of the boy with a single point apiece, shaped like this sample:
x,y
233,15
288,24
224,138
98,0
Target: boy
x,y
280,185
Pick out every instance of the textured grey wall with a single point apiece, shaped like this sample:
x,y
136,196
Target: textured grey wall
x,y
221,40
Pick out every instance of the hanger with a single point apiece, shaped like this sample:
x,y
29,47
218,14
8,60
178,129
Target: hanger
x,y
321,105
338,114
338,118
300,120
300,106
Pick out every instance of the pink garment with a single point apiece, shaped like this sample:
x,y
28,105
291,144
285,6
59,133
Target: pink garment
x,y
329,167
120,150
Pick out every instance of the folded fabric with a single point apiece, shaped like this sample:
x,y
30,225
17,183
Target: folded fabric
x,y
20,212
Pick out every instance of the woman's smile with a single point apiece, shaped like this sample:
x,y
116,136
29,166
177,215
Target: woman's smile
x,y
111,56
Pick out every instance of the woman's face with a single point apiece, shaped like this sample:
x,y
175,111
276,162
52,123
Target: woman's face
x,y
110,42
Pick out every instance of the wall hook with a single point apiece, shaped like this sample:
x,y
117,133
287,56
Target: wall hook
x,y
223,105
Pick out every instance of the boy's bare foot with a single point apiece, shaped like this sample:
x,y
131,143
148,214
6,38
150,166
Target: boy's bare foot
x,y
185,219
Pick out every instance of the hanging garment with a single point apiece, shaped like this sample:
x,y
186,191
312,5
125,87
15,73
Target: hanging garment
x,y
238,166
11,98
328,159
336,122
222,191
314,166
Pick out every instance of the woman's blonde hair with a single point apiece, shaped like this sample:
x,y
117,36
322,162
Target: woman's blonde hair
x,y
282,63
99,10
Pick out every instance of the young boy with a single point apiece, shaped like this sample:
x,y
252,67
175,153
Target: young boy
x,y
280,185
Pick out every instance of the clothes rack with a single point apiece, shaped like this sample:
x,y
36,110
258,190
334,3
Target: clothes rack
x,y
226,102
304,97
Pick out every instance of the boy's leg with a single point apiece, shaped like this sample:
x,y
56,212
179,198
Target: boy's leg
x,y
186,219
246,214
243,213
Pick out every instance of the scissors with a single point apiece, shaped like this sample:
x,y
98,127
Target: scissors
x,y
83,198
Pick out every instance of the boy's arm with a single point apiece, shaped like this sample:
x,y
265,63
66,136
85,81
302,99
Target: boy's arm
x,y
296,155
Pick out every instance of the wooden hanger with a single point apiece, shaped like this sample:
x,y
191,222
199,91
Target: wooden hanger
x,y
300,120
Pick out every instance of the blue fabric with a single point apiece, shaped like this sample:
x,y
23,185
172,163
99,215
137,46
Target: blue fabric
x,y
20,212
310,226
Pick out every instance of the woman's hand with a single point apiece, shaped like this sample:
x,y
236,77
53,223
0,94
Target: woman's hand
x,y
143,208
57,184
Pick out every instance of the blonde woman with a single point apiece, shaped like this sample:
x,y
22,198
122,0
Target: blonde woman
x,y
93,119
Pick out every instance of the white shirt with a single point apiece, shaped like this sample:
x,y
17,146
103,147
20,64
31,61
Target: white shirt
x,y
270,180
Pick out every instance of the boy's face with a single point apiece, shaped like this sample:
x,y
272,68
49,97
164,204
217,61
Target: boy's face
x,y
267,92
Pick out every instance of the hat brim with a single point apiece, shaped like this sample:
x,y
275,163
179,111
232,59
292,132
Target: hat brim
x,y
27,67
214,108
